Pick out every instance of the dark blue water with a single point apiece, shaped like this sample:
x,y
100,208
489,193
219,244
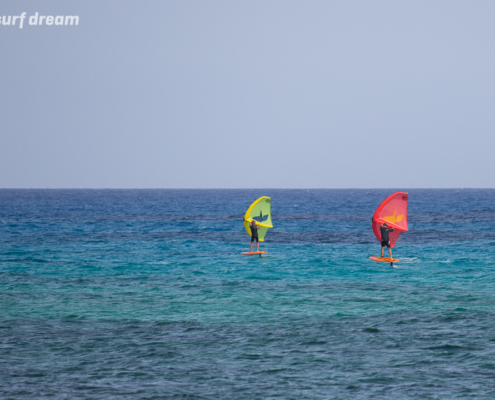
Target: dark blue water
x,y
143,294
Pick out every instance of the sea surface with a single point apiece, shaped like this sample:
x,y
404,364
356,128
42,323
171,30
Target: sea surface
x,y
143,294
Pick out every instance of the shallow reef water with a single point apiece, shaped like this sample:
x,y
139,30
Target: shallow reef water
x,y
127,294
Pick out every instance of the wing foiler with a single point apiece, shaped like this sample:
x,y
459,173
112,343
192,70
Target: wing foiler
x,y
393,212
259,211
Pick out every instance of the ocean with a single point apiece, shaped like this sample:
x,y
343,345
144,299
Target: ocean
x,y
143,294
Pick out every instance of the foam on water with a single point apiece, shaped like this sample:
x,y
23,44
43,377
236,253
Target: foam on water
x,y
143,293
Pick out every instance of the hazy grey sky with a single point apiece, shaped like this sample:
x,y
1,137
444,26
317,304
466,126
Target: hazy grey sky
x,y
266,94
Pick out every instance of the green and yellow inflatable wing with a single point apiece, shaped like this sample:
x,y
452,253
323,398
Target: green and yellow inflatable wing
x,y
259,211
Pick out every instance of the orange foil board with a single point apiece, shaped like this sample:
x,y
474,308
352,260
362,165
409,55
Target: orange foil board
x,y
384,259
254,253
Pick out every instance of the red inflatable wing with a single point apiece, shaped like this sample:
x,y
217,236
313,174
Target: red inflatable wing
x,y
393,212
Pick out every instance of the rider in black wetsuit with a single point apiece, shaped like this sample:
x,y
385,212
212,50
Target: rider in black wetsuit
x,y
254,235
385,230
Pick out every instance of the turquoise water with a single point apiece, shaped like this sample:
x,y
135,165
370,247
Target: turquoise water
x,y
143,294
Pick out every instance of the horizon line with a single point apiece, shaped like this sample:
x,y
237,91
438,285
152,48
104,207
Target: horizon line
x,y
219,188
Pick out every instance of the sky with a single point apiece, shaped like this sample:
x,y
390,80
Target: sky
x,y
249,94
